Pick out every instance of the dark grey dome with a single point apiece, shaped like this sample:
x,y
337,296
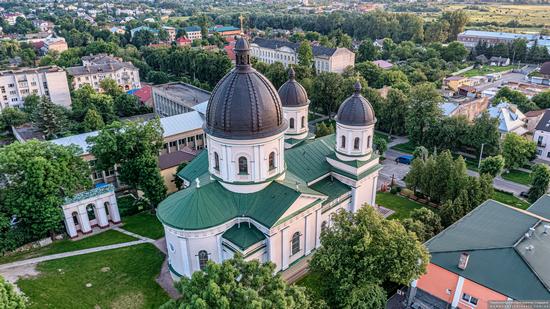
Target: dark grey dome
x,y
292,94
244,103
356,110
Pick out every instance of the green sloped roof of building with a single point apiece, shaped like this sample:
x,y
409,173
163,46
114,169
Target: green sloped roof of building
x,y
197,168
243,235
541,207
490,225
211,204
501,270
331,187
308,160
493,236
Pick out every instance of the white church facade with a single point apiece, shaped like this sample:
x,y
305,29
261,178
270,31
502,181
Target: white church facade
x,y
264,187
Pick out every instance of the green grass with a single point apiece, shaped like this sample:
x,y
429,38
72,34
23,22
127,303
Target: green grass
x,y
510,199
518,176
144,224
383,135
311,282
121,278
407,147
109,237
487,69
401,205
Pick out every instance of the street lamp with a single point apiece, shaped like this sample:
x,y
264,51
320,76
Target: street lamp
x,y
480,156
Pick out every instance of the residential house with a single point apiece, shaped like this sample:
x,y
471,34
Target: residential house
x,y
143,28
50,81
43,25
499,61
183,41
383,64
470,108
325,59
144,94
11,18
510,118
171,32
542,137
117,30
533,118
454,82
97,68
542,77
493,257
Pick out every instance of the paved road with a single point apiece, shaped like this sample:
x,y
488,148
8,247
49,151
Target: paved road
x,y
390,168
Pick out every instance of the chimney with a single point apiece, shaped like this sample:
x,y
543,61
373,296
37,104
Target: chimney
x,y
531,231
463,260
546,229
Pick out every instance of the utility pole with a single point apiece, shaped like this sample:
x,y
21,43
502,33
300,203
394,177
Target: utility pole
x,y
480,156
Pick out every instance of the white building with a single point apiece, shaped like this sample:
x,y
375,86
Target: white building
x,y
510,118
96,69
248,194
542,137
11,18
49,81
193,32
470,38
325,59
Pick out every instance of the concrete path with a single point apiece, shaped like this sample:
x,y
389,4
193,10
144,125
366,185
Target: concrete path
x,y
69,254
123,231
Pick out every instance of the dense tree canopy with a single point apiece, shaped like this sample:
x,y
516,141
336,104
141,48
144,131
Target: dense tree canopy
x,y
236,283
361,251
540,180
9,297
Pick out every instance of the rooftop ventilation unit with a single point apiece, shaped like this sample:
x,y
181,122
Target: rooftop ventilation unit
x,y
463,260
546,229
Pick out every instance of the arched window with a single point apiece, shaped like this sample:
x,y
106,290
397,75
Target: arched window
x,y
303,122
243,165
291,123
342,142
75,218
216,161
368,141
272,160
91,211
323,226
356,143
203,259
295,243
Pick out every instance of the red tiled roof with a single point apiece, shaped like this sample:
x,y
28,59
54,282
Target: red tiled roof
x,y
144,94
183,40
230,52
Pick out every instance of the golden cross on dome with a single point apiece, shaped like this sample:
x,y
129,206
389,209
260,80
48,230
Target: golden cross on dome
x,y
241,18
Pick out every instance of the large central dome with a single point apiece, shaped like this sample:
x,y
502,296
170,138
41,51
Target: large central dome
x,y
244,104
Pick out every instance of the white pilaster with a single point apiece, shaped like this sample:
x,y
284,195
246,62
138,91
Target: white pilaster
x,y
458,292
113,209
69,224
84,220
318,228
102,220
284,249
306,245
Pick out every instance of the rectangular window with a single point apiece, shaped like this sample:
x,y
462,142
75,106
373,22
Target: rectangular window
x,y
470,299
173,144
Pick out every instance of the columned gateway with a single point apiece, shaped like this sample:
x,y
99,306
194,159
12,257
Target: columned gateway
x,y
265,188
96,207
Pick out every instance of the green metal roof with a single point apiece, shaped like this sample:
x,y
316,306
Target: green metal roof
x,y
493,235
308,160
210,205
331,187
197,168
244,235
541,207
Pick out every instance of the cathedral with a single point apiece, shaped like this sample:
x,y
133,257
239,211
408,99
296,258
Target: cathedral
x,y
264,187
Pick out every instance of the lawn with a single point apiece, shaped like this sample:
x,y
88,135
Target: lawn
x,y
144,224
401,205
383,135
510,199
120,278
407,147
487,69
109,237
518,176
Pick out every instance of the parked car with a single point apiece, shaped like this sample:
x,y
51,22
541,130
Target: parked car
x,y
405,159
524,194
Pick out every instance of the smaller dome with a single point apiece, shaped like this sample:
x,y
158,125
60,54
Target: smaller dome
x,y
292,93
356,110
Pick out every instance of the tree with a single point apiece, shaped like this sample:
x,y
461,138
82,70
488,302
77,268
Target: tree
x,y
380,144
517,150
367,51
328,92
9,298
305,55
394,112
424,111
485,132
177,180
321,129
363,249
492,165
515,97
128,105
86,98
457,20
92,121
158,77
542,99
11,116
540,179
455,51
236,283
277,74
424,223
49,118
134,148
110,87
41,175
